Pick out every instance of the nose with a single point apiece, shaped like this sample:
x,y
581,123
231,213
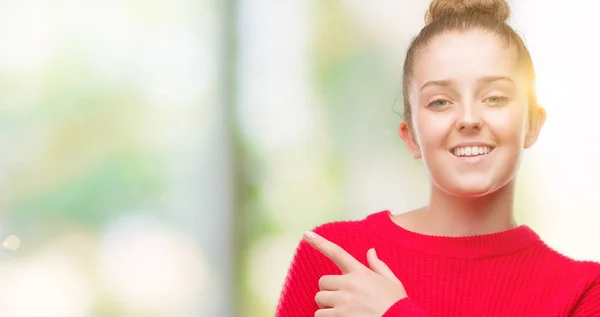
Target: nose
x,y
469,118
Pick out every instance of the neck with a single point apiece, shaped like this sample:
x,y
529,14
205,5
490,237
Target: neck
x,y
448,215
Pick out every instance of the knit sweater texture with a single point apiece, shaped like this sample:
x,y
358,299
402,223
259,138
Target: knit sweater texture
x,y
510,273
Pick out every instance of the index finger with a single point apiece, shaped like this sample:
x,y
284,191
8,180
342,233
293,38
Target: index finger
x,y
346,262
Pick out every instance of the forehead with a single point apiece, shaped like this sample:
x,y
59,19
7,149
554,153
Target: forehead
x,y
464,57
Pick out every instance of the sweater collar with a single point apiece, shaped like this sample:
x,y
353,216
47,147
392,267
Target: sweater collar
x,y
473,247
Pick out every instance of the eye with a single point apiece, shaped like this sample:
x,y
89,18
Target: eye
x,y
437,104
496,100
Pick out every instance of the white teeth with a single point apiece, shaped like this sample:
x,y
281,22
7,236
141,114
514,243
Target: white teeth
x,y
471,150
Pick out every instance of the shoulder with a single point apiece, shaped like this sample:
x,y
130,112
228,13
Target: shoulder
x,y
583,282
567,261
354,236
584,271
340,230
578,281
350,234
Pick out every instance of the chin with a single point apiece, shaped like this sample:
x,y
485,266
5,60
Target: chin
x,y
469,190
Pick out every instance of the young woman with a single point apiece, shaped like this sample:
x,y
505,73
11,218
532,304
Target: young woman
x,y
470,111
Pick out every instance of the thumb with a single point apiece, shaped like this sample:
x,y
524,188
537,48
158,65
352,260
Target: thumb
x,y
379,266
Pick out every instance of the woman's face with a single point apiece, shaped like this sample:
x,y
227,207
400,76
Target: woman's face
x,y
470,113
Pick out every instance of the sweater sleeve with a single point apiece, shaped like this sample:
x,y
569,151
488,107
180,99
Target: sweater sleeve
x,y
297,298
589,304
302,282
405,308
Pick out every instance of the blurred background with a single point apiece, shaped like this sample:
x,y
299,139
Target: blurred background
x,y
163,157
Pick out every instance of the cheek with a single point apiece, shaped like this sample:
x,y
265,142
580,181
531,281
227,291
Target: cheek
x,y
508,125
433,129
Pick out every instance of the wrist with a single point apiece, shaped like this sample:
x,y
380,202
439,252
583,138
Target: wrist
x,y
404,307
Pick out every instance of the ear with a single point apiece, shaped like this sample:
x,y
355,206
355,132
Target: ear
x,y
537,118
408,136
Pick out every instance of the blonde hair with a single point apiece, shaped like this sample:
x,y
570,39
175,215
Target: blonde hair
x,y
446,16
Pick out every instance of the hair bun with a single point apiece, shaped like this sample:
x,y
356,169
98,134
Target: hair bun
x,y
497,9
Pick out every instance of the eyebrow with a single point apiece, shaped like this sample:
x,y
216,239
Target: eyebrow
x,y
481,80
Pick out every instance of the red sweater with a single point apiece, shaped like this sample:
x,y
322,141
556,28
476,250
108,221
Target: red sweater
x,y
511,273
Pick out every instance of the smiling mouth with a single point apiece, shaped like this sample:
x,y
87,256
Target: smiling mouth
x,y
470,151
